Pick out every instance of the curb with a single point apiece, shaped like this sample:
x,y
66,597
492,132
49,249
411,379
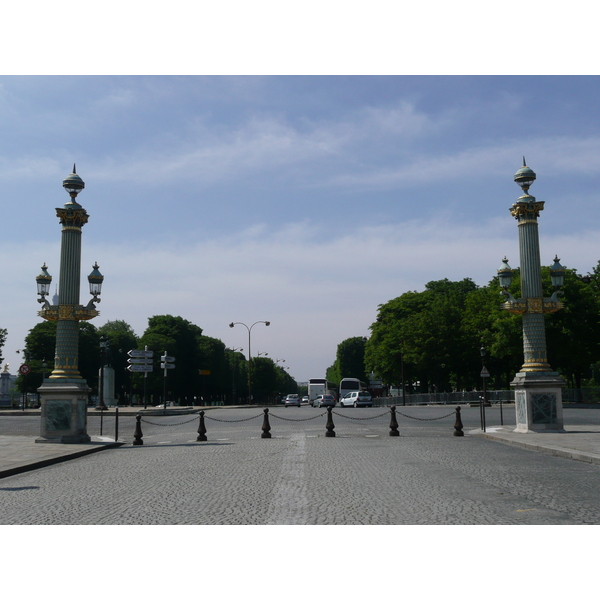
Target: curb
x,y
57,459
547,449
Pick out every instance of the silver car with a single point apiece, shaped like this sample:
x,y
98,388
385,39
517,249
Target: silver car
x,y
292,400
357,399
324,400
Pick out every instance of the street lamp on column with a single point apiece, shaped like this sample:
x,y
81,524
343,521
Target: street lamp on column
x,y
538,389
267,323
63,396
484,374
104,343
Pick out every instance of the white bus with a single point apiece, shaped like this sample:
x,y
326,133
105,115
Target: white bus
x,y
316,387
351,384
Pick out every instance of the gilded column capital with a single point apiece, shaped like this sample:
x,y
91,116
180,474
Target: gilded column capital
x,y
72,216
527,209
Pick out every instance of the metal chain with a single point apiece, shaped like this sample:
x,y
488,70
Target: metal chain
x,y
231,420
360,418
419,419
169,424
308,419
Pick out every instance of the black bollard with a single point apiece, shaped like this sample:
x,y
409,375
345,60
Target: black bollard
x,y
138,431
393,423
201,429
266,427
458,426
330,426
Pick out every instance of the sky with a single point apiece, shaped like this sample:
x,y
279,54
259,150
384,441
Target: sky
x,y
306,201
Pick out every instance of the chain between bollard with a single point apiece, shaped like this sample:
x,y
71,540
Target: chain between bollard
x,y
168,424
232,420
299,420
422,419
360,418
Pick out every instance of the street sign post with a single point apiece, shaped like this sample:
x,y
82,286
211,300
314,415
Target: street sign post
x,y
140,361
141,353
140,368
166,362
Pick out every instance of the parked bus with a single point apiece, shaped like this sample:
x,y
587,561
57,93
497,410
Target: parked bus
x,y
316,387
351,384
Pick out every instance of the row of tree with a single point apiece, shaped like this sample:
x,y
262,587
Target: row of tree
x,y
432,339
194,353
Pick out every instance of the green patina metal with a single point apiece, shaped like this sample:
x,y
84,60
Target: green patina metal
x,y
69,312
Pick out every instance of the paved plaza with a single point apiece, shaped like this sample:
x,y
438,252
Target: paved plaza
x,y
362,476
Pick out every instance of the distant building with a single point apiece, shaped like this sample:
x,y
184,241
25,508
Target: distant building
x,y
7,383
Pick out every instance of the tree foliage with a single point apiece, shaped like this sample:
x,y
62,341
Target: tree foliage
x,y
435,335
40,344
349,361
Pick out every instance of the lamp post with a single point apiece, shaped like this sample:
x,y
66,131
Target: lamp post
x,y
233,372
538,389
64,395
484,376
103,348
267,323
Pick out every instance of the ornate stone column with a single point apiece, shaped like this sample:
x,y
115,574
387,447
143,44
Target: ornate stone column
x,y
538,389
64,395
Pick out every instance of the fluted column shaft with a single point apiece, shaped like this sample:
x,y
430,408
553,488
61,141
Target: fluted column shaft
x,y
66,357
526,210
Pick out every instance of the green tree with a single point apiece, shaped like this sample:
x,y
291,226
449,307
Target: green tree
x,y
572,332
236,384
349,361
425,332
180,339
40,345
121,339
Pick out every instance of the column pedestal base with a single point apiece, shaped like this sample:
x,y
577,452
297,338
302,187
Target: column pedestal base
x,y
64,411
538,401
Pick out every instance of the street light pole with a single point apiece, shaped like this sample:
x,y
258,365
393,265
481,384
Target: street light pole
x,y
484,375
538,389
267,323
103,347
64,395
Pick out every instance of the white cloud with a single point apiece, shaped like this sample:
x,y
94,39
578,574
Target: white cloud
x,y
316,289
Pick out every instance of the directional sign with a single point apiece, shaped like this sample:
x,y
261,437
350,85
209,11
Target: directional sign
x,y
167,366
140,368
141,353
168,359
139,361
204,372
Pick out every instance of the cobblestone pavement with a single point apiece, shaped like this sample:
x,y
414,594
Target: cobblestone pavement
x,y
300,476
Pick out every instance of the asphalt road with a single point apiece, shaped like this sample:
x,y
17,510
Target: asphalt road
x,y
300,476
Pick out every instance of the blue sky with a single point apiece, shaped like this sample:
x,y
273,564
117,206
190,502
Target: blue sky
x,y
303,200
